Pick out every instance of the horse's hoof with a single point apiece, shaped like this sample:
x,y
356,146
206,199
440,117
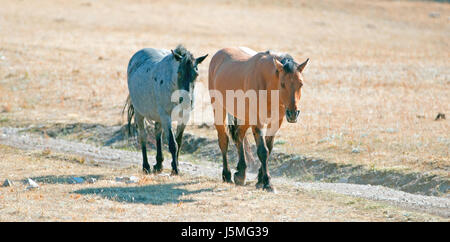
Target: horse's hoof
x,y
259,185
157,169
146,170
174,173
226,177
239,179
269,188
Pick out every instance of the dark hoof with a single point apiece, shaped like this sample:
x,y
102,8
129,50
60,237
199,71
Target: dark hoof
x,y
174,173
146,170
239,179
259,185
157,169
269,188
226,176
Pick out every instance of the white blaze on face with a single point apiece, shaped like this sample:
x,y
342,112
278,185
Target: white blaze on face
x,y
248,51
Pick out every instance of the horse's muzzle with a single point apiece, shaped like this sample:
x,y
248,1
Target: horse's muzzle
x,y
292,116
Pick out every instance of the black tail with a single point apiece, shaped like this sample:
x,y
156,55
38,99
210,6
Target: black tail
x,y
130,114
232,131
232,127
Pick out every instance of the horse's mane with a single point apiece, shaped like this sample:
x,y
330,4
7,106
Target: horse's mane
x,y
182,51
289,65
184,69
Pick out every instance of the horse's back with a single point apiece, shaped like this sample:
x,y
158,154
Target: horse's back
x,y
229,66
147,55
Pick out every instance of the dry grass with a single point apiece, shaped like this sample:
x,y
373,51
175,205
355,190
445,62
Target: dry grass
x,y
164,198
379,72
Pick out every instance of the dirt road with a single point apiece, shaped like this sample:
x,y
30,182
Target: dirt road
x,y
120,158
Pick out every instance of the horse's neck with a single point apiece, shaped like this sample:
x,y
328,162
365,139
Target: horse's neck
x,y
168,72
264,72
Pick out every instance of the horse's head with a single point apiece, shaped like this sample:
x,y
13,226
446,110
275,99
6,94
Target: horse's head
x,y
290,84
187,70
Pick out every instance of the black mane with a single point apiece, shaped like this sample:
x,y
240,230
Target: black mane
x,y
180,50
186,72
289,65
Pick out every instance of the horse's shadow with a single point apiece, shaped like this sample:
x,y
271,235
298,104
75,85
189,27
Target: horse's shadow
x,y
156,194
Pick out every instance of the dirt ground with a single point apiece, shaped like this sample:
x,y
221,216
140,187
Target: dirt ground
x,y
379,75
163,197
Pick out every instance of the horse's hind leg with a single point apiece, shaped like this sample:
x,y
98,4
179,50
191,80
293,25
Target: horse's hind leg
x,y
223,144
239,176
159,155
173,147
142,140
179,138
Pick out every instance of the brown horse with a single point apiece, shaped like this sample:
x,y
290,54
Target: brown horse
x,y
272,80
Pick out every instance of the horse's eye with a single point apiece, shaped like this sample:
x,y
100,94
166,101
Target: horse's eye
x,y
282,85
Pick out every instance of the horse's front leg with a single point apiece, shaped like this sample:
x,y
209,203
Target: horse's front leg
x,y
272,129
263,155
159,155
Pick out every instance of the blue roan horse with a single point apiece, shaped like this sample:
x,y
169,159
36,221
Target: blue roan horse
x,y
153,76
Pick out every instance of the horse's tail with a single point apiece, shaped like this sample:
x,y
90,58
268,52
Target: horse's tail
x,y
232,127
232,130
130,113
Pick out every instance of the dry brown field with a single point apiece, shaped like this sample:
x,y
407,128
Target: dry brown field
x,y
379,73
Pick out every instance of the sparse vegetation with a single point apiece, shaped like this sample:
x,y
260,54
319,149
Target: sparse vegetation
x,y
377,80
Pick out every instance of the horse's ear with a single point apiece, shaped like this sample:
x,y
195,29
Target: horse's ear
x,y
278,65
176,56
200,59
303,65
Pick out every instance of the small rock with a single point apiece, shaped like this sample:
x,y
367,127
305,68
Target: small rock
x,y
326,139
91,180
7,183
77,180
356,150
31,184
391,130
133,179
440,116
121,179
434,15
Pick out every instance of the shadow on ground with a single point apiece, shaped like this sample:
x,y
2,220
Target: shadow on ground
x,y
156,194
66,179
